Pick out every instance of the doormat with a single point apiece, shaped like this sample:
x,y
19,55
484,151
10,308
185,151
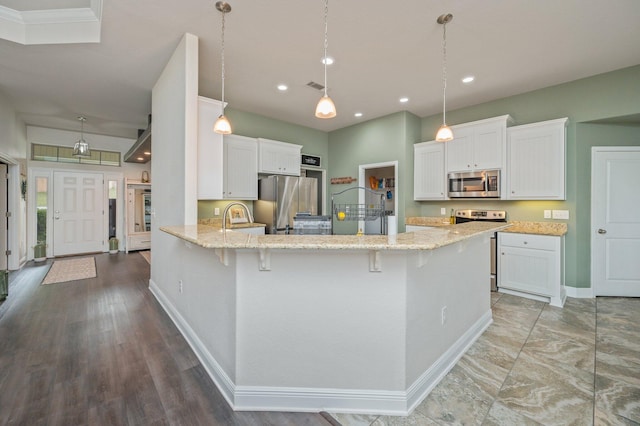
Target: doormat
x,y
71,270
147,255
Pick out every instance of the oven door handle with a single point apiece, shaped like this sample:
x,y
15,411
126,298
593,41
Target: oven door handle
x,y
486,183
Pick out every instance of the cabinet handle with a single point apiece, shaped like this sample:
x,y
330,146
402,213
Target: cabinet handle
x,y
502,253
525,243
602,231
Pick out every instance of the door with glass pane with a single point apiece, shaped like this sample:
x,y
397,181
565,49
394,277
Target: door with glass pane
x,y
78,213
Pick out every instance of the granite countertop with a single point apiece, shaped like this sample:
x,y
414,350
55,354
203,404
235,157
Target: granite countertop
x,y
557,229
429,239
217,222
427,221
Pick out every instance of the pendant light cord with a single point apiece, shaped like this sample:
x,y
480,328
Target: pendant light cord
x,y
326,42
222,55
444,72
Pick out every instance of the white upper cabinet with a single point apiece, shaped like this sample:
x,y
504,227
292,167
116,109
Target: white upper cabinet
x,y
536,161
276,157
428,171
227,166
478,145
240,168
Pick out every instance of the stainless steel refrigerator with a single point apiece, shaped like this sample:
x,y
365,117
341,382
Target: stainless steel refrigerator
x,y
280,198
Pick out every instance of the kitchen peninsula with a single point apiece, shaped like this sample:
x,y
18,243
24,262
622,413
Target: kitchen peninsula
x,y
341,323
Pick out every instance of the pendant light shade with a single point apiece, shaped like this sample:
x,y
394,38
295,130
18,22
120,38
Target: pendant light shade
x,y
444,134
222,124
81,148
325,108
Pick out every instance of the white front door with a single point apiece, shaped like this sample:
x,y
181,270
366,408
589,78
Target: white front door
x,y
3,217
78,213
615,221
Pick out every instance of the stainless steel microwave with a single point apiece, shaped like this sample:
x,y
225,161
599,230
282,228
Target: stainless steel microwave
x,y
477,184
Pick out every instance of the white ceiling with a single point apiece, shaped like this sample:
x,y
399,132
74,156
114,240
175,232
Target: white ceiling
x,y
383,50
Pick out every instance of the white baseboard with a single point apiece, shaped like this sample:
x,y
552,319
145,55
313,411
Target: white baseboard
x,y
419,390
580,293
264,398
213,368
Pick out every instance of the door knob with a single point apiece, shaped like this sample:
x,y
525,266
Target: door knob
x,y
57,215
602,231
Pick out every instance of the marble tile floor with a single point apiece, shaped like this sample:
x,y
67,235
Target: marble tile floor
x,y
540,365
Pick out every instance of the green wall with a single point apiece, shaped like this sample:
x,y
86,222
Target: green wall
x,y
602,97
376,141
314,142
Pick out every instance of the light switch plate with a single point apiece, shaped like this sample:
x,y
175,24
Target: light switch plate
x,y
547,214
560,214
216,211
443,211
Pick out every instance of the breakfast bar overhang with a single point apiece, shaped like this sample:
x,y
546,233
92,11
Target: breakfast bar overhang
x,y
360,324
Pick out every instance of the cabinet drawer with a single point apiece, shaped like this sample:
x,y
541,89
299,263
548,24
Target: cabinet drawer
x,y
140,241
536,242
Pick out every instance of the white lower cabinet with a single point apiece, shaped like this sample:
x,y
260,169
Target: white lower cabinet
x,y
256,230
532,266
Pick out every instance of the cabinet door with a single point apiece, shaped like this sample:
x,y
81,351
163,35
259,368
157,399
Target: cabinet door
x,y
536,161
460,150
428,171
278,157
241,168
527,270
488,146
210,151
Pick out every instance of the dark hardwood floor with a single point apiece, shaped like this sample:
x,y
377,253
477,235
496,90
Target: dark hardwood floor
x,y
101,351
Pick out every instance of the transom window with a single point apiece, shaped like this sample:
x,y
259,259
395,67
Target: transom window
x,y
64,154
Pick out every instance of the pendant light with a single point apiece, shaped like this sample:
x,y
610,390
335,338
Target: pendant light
x,y
445,134
81,148
222,125
326,107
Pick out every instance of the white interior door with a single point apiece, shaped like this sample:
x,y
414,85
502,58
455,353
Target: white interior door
x,y
615,221
78,213
3,216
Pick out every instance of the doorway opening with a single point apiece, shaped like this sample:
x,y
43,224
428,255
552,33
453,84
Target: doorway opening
x,y
382,178
320,175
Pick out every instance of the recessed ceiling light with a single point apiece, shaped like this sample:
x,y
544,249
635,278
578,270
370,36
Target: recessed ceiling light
x,y
282,87
468,79
140,159
358,114
329,60
147,153
404,100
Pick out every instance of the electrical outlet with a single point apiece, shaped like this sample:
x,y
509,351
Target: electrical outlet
x,y
444,315
180,286
443,211
547,214
560,214
216,211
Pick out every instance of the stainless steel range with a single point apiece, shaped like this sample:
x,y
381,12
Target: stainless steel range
x,y
490,216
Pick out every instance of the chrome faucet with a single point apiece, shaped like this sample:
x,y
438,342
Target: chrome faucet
x,y
226,210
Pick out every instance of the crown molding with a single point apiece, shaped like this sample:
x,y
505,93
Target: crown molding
x,y
52,26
